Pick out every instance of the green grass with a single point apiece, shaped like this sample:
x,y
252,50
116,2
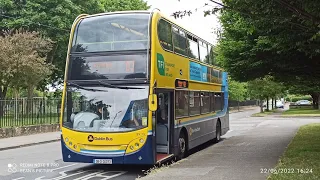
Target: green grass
x,y
302,112
301,160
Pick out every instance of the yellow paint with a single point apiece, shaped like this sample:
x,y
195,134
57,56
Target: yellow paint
x,y
111,141
174,63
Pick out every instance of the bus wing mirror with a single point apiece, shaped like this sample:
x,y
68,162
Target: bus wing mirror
x,y
153,103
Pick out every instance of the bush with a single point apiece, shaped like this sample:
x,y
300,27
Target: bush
x,y
298,98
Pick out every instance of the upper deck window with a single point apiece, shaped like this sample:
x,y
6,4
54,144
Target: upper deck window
x,y
115,32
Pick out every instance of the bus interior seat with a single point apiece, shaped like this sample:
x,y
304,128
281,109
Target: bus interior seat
x,y
97,124
80,124
162,138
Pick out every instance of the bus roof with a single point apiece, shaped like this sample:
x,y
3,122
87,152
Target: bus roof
x,y
149,12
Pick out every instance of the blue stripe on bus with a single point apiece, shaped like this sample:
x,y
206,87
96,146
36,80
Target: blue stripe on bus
x,y
219,114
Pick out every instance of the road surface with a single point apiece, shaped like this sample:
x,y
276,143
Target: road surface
x,y
43,162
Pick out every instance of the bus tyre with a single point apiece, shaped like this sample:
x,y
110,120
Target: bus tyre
x,y
182,146
218,132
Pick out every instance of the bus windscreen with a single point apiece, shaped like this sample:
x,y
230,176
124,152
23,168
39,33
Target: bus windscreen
x,y
116,32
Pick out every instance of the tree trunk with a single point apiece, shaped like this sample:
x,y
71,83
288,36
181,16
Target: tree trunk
x,y
272,103
3,93
261,106
267,103
16,92
315,100
238,105
29,99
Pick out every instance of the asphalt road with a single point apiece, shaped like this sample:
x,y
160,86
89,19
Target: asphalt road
x,y
43,162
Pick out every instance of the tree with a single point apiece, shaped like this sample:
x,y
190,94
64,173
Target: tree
x,y
237,91
279,38
263,89
124,5
23,60
53,19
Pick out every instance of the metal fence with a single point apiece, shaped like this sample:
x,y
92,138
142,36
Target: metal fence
x,y
21,112
233,103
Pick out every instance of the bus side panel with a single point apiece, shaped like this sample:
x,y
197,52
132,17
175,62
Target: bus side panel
x,y
201,132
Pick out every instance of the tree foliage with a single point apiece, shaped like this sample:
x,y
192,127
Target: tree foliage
x,y
265,88
23,60
237,90
271,38
53,19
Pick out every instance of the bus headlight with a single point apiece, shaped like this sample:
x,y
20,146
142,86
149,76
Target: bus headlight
x,y
135,145
67,139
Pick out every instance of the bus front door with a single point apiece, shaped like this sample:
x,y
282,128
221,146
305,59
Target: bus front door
x,y
164,125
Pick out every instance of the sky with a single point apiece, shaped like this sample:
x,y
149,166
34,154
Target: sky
x,y
196,23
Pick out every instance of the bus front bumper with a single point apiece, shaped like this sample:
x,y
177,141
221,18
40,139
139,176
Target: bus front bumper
x,y
144,155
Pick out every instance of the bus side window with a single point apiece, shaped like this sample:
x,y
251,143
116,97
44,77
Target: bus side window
x,y
164,34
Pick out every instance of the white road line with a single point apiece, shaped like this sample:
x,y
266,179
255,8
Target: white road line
x,y
64,166
18,178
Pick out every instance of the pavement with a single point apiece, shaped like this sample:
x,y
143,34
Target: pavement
x,y
22,141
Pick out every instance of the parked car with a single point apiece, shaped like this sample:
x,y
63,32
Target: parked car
x,y
303,102
279,104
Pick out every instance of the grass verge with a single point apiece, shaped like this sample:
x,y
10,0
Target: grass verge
x,y
302,112
301,160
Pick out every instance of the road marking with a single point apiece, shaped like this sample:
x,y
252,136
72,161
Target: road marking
x,y
62,174
18,178
64,166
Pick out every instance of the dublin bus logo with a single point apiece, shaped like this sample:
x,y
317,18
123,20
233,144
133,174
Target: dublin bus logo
x,y
90,138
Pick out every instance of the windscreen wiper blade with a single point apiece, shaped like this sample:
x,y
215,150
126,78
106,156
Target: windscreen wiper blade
x,y
84,88
114,86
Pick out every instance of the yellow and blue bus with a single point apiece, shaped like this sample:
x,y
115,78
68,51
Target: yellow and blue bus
x,y
139,89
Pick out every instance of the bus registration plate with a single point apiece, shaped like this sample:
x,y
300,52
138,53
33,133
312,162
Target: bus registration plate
x,y
102,161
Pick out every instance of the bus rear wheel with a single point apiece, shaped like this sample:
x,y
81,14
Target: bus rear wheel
x,y
218,132
182,146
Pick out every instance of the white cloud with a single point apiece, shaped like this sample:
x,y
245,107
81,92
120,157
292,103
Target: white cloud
x,y
196,23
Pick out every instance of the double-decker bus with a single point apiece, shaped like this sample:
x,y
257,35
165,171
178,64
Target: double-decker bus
x,y
139,89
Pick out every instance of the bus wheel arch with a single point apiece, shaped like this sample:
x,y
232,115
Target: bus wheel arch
x,y
183,144
218,131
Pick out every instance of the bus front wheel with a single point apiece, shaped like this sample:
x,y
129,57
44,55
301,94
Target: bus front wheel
x,y
182,146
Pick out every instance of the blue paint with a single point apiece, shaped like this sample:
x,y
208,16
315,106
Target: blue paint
x,y
225,89
204,73
146,153
198,72
195,71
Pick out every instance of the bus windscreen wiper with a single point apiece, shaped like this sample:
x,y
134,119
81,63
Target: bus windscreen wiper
x,y
84,88
114,86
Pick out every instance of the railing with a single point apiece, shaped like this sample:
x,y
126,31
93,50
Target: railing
x,y
233,103
23,112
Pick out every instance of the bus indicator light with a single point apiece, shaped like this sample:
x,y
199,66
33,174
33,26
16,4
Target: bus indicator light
x,y
181,83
